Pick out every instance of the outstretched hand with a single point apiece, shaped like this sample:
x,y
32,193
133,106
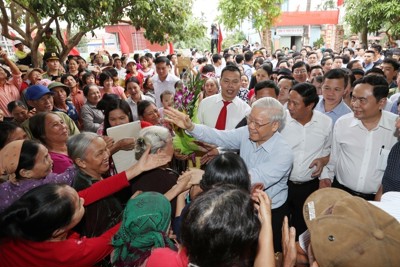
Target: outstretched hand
x,y
178,118
288,244
3,54
150,161
263,206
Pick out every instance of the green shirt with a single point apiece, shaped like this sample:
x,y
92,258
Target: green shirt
x,y
51,44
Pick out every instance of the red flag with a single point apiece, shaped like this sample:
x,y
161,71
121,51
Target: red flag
x,y
123,44
340,2
171,48
220,39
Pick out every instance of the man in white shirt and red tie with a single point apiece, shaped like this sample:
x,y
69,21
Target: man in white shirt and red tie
x,y
225,110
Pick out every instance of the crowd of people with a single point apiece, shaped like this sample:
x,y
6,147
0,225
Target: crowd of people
x,y
299,160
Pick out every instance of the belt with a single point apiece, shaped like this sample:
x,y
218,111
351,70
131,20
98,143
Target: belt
x,y
304,183
354,193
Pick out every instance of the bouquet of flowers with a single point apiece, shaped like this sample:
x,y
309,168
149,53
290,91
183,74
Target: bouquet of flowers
x,y
186,101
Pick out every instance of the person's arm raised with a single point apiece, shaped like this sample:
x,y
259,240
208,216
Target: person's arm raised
x,y
265,253
147,162
14,69
179,119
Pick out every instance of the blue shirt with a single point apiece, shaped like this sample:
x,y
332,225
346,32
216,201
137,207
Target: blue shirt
x,y
334,114
269,163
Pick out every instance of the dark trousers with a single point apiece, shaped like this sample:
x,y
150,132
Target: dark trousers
x,y
336,184
214,43
277,220
297,195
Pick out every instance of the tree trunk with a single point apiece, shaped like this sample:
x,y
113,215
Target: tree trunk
x,y
364,36
308,8
266,39
36,56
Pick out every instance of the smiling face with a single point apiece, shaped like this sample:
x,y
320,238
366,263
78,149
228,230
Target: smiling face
x,y
70,82
96,161
365,106
45,103
133,89
261,134
35,77
108,83
151,115
230,85
43,165
94,95
300,74
210,88
333,91
244,81
56,130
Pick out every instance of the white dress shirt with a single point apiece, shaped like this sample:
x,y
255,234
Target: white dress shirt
x,y
308,142
211,106
133,105
161,86
358,156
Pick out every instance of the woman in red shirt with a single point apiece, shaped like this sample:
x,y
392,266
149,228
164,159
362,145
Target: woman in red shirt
x,y
36,229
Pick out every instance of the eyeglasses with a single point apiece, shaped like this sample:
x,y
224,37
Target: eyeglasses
x,y
362,100
257,125
297,72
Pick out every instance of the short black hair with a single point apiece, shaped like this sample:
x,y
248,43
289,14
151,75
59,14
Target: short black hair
x,y
37,214
207,68
216,57
231,68
162,59
377,47
266,84
227,168
392,62
6,128
337,74
300,64
113,105
376,71
267,67
308,93
324,60
248,56
220,228
379,84
239,58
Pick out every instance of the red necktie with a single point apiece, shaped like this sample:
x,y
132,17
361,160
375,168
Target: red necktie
x,y
221,121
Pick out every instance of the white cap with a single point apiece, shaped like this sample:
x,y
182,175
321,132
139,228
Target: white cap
x,y
131,60
17,42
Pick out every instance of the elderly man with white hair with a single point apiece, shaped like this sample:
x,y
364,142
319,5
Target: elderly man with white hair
x,y
264,150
